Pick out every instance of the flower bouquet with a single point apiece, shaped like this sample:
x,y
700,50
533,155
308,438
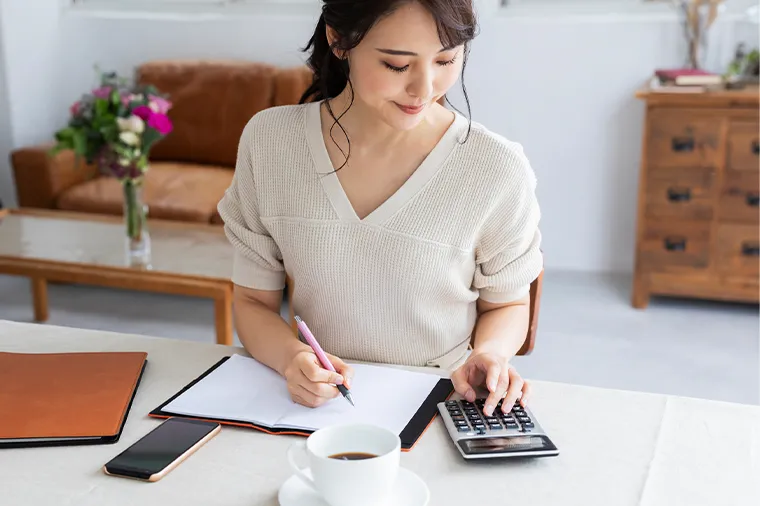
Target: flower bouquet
x,y
114,126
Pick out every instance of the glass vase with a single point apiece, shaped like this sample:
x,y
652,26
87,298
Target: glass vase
x,y
136,223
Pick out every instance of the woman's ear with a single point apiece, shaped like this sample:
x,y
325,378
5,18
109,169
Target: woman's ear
x,y
332,39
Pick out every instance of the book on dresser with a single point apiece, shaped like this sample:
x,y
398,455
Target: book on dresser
x,y
697,216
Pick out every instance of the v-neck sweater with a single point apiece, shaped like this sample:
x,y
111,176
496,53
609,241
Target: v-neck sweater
x,y
399,286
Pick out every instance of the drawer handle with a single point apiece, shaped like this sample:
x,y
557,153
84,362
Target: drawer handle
x,y
679,194
682,144
675,243
755,148
750,249
753,199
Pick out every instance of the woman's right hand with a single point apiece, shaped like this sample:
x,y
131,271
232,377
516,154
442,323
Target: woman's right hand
x,y
312,385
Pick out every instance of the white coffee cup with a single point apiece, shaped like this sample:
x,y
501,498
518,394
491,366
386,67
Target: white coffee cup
x,y
366,482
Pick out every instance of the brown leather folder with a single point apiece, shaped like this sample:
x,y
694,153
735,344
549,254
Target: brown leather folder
x,y
50,399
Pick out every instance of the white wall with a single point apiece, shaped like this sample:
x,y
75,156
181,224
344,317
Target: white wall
x,y
564,88
6,135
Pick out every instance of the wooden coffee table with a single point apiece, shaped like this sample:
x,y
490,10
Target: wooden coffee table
x,y
187,259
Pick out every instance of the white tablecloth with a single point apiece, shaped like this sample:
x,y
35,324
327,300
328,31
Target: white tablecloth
x,y
617,447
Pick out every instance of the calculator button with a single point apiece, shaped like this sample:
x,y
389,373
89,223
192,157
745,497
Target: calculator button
x,y
528,425
451,403
491,419
480,430
460,422
458,417
523,418
463,428
510,425
494,426
455,412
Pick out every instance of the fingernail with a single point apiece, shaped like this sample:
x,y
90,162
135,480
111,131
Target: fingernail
x,y
489,409
492,385
470,395
339,379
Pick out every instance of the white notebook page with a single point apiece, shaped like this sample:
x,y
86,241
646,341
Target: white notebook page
x,y
246,390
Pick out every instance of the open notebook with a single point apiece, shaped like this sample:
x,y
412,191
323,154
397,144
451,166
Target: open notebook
x,y
241,391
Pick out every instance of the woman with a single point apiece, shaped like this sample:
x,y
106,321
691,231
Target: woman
x,y
406,228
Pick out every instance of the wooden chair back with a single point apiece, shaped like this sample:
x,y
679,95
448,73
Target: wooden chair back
x,y
530,338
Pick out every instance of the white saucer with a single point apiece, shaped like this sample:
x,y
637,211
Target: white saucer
x,y
409,490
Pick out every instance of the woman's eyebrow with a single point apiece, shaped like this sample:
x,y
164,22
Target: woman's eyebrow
x,y
399,52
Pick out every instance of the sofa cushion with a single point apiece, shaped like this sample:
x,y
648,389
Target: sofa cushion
x,y
290,84
173,191
212,102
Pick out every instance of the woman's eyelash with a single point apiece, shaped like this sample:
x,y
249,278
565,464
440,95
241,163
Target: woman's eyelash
x,y
396,69
405,67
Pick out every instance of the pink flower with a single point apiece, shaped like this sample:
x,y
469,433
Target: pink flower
x,y
102,92
157,121
160,122
143,112
75,107
159,104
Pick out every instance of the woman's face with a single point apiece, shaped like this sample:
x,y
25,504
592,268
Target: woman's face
x,y
399,70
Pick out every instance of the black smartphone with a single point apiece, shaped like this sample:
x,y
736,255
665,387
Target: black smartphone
x,y
162,449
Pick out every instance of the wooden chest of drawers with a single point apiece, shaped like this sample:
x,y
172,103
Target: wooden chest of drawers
x,y
697,221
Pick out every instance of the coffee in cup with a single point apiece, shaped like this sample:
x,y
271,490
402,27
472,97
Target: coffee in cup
x,y
350,464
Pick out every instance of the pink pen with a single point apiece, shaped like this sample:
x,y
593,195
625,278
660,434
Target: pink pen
x,y
306,333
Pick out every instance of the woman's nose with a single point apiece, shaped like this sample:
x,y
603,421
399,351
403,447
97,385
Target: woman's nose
x,y
421,85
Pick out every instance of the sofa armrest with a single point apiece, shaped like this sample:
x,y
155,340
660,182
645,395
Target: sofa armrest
x,y
41,177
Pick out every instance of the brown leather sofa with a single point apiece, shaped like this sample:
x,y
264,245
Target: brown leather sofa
x,y
190,168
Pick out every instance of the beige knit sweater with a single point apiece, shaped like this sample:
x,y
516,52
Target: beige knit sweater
x,y
399,286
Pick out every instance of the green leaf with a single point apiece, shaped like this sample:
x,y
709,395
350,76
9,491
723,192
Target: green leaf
x,y
101,107
150,137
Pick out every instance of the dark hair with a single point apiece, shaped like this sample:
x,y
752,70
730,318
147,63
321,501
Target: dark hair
x,y
352,19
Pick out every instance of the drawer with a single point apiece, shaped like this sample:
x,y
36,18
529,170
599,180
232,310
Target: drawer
x,y
740,197
680,138
686,193
738,250
675,244
743,146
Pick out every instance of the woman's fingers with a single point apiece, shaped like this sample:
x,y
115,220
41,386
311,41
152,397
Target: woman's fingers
x,y
301,395
525,393
497,382
516,384
461,385
343,369
318,374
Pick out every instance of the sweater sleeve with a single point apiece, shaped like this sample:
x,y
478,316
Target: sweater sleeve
x,y
257,259
508,256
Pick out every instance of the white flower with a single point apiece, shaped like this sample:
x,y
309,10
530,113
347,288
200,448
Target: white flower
x,y
129,138
131,124
153,107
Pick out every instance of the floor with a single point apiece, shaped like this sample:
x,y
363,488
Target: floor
x,y
588,333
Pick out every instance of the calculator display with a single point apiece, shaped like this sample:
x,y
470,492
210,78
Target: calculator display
x,y
512,444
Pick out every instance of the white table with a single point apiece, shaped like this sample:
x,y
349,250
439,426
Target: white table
x,y
618,448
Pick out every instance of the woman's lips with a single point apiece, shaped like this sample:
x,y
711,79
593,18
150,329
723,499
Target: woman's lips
x,y
410,109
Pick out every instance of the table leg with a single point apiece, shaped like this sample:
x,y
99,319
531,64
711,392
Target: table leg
x,y
223,317
40,299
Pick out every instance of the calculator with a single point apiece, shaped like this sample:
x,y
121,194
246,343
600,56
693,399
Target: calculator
x,y
477,436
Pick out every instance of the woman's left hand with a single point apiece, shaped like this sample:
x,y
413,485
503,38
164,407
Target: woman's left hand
x,y
500,378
